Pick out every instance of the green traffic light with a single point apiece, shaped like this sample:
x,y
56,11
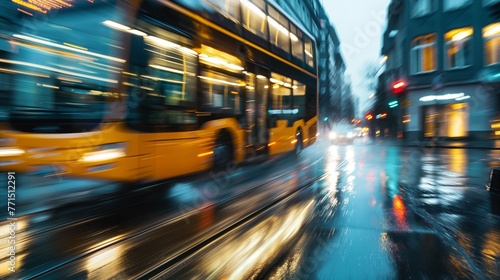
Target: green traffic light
x,y
325,119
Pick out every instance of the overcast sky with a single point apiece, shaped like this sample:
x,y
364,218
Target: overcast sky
x,y
359,25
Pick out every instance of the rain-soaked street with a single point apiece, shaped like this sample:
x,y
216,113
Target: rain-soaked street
x,y
386,212
362,211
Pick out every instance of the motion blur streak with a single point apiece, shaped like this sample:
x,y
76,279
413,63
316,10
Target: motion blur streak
x,y
104,264
79,50
57,70
237,259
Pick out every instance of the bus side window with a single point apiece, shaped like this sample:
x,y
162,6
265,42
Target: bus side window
x,y
138,54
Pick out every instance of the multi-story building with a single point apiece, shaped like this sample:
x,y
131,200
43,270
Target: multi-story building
x,y
331,69
331,66
447,55
306,12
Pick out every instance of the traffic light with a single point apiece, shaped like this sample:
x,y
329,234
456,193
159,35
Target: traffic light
x,y
369,116
398,86
393,104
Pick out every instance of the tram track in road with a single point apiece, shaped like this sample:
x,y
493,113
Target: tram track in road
x,y
147,228
100,207
156,270
160,271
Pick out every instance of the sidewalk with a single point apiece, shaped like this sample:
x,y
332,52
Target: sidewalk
x,y
441,143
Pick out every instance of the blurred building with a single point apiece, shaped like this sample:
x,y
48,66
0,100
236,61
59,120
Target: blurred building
x,y
443,57
347,102
8,24
333,92
331,66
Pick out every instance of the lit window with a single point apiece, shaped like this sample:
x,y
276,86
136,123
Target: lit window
x,y
423,54
281,92
422,7
297,42
221,93
229,8
455,4
279,34
491,35
308,50
216,58
299,98
171,71
254,17
458,47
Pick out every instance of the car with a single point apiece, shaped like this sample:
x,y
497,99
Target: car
x,y
342,135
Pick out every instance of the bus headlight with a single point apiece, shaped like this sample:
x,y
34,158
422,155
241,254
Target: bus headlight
x,y
332,135
10,152
105,152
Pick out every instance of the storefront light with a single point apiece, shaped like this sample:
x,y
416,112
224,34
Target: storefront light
x,y
448,96
463,97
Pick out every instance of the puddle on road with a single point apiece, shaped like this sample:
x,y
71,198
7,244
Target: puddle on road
x,y
422,255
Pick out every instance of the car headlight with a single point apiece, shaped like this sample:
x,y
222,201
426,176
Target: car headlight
x,y
332,135
350,135
105,152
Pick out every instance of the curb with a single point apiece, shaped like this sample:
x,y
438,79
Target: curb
x,y
451,147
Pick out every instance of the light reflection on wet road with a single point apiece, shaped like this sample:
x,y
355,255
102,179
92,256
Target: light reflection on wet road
x,y
381,212
410,213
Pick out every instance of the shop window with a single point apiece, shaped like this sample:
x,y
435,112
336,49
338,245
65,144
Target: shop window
x,y
449,120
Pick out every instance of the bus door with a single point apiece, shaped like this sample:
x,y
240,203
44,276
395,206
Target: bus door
x,y
256,110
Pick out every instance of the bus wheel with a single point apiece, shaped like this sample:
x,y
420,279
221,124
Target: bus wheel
x,y
223,150
298,144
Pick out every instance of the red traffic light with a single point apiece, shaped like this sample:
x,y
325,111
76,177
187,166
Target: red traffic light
x,y
398,86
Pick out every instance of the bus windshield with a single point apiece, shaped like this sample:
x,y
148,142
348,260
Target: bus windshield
x,y
64,68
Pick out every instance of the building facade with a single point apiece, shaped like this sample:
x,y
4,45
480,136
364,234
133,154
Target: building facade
x,y
445,53
331,66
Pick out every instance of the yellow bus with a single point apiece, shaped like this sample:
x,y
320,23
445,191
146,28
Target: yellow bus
x,y
145,90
